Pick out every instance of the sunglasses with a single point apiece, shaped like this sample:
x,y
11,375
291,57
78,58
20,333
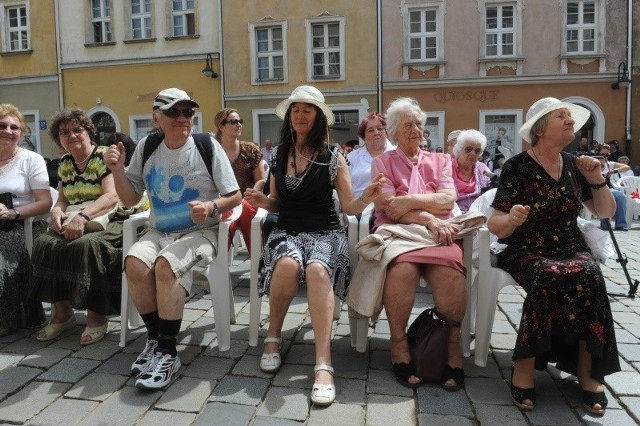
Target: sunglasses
x,y
233,121
469,150
175,112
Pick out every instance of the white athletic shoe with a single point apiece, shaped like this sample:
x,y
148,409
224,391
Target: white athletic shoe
x,y
159,373
144,359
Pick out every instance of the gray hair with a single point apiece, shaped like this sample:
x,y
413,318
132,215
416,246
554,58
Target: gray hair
x,y
399,106
466,136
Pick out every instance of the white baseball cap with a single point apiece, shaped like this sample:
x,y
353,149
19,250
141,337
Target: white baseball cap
x,y
169,97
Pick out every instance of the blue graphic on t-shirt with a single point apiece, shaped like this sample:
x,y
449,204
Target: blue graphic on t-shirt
x,y
170,200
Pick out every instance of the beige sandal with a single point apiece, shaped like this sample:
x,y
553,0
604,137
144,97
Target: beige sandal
x,y
270,363
96,333
51,331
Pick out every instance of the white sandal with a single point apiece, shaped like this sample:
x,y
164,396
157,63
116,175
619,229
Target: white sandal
x,y
323,394
270,363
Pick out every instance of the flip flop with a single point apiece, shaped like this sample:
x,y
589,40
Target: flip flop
x,y
96,333
51,331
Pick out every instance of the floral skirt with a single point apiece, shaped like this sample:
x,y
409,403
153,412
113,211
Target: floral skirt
x,y
566,302
329,248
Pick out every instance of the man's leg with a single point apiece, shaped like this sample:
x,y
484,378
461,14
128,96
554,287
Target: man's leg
x,y
621,209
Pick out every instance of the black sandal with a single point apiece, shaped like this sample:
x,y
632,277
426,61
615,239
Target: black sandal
x,y
403,371
591,399
520,395
457,374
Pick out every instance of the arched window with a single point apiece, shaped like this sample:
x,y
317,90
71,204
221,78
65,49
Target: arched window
x,y
105,127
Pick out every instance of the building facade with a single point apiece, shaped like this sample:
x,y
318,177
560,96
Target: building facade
x,y
116,55
481,64
269,48
29,67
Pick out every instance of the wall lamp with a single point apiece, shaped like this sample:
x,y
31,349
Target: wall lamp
x,y
210,73
623,77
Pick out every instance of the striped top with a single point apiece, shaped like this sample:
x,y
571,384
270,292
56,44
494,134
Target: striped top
x,y
83,185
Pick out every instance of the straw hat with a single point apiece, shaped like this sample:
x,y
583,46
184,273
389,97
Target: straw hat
x,y
308,95
544,106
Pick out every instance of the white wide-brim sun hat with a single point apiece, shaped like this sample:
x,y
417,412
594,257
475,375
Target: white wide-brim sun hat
x,y
307,95
544,106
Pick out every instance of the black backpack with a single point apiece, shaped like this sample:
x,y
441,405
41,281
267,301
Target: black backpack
x,y
202,140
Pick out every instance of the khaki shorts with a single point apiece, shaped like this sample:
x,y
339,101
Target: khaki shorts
x,y
197,248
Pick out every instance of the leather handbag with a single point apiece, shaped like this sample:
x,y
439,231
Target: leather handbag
x,y
428,339
7,199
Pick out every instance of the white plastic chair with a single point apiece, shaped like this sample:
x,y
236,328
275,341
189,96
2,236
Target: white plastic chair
x,y
257,244
629,184
217,273
28,222
360,327
490,280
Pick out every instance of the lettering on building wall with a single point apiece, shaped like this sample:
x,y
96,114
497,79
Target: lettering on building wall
x,y
465,95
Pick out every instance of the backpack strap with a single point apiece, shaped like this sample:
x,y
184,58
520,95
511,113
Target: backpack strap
x,y
205,148
202,141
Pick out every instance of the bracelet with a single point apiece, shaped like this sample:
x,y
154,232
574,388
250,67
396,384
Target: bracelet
x,y
84,215
598,185
361,199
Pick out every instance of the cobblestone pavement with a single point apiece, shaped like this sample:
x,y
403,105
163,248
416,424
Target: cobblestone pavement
x,y
61,382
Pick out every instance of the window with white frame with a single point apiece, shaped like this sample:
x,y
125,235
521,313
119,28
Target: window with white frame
x,y
183,18
326,39
140,19
270,53
499,30
16,28
581,26
422,34
501,128
100,21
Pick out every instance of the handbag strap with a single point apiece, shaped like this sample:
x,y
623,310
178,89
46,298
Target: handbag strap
x,y
447,321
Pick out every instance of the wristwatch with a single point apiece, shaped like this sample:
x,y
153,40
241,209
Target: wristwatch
x,y
17,213
216,210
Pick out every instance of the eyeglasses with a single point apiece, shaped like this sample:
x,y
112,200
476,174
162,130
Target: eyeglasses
x,y
469,150
66,133
12,127
233,121
175,112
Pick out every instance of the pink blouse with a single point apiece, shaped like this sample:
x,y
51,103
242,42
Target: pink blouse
x,y
430,174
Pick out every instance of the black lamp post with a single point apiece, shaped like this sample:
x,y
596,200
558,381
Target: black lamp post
x,y
208,71
623,77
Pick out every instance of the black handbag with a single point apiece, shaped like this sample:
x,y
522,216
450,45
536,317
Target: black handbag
x,y
6,198
428,339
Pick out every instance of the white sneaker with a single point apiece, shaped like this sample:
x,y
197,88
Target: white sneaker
x,y
159,373
144,359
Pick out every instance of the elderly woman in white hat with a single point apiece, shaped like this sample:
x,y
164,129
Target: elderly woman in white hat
x,y
566,317
308,243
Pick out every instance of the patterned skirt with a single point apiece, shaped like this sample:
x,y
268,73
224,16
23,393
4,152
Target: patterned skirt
x,y
87,271
329,248
16,309
566,302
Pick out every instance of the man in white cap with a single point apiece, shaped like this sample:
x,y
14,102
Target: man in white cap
x,y
187,200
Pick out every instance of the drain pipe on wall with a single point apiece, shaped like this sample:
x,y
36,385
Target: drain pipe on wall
x,y
627,120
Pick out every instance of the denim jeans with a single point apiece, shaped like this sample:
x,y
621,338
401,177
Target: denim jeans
x,y
620,217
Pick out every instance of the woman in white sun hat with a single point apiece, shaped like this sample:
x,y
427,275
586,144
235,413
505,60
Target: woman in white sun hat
x,y
308,243
566,317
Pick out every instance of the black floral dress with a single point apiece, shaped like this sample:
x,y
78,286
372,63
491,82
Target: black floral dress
x,y
566,294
